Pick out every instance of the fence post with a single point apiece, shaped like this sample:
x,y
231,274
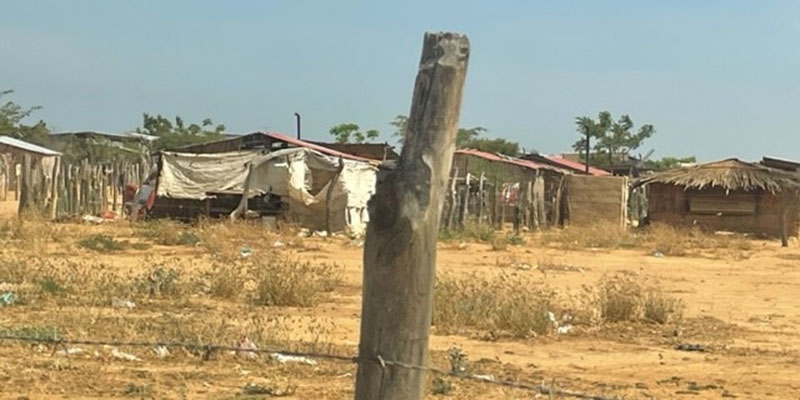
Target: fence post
x,y
55,188
329,197
400,246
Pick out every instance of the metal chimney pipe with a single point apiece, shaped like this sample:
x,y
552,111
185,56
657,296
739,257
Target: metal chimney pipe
x,y
297,117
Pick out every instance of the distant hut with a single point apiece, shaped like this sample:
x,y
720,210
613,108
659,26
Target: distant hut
x,y
727,195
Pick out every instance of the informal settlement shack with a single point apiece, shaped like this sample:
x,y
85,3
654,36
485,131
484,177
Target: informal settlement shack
x,y
30,170
308,184
728,195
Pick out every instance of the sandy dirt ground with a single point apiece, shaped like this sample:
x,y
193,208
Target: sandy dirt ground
x,y
744,312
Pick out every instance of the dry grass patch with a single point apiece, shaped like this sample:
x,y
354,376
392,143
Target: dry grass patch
x,y
600,235
470,231
103,243
508,303
622,298
675,241
282,281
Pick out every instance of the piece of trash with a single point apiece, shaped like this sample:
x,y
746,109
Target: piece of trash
x,y
691,347
552,317
245,252
278,243
92,219
347,375
253,389
463,245
123,356
284,359
161,351
304,233
7,299
658,254
246,348
320,233
484,377
70,351
123,304
524,267
564,329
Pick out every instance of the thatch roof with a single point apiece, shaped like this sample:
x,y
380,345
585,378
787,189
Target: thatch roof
x,y
730,174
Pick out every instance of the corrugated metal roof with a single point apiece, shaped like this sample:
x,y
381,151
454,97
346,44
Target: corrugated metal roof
x,y
301,143
29,147
577,166
123,135
504,159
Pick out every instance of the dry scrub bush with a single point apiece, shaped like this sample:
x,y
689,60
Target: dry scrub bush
x,y
506,303
283,281
675,241
103,243
32,233
169,233
471,230
621,298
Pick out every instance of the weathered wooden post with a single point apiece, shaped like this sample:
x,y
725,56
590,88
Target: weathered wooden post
x,y
453,199
242,208
55,188
329,197
25,185
480,198
400,246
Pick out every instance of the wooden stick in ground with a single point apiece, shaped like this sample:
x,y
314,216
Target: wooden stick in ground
x,y
55,186
400,246
453,199
242,208
465,204
480,197
24,184
329,197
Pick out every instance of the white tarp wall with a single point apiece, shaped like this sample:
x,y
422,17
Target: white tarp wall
x,y
300,176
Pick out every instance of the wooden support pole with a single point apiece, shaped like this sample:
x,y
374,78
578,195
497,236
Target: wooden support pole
x,y
400,245
480,198
55,186
329,197
465,201
242,208
24,184
453,199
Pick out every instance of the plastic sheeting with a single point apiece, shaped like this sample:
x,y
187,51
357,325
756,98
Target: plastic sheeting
x,y
299,175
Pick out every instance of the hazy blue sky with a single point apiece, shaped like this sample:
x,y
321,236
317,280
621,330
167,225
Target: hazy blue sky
x,y
716,78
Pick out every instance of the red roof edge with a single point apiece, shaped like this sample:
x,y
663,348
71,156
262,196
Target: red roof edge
x,y
302,143
576,166
508,160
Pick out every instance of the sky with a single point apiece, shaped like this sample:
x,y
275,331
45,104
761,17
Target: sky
x,y
716,78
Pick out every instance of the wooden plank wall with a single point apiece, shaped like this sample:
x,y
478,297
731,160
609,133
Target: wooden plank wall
x,y
597,199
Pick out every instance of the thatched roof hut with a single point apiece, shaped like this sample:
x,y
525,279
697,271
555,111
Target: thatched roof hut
x,y
731,175
730,195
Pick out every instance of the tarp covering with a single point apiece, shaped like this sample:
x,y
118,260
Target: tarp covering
x,y
300,176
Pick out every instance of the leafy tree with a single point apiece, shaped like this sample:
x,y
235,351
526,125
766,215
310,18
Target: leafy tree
x,y
351,133
669,163
179,134
614,139
497,145
470,138
12,116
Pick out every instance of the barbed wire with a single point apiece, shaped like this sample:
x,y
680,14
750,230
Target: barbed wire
x,y
208,349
